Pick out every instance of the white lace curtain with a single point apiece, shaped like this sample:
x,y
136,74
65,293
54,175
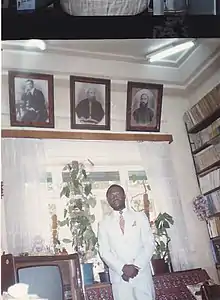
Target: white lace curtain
x,y
25,208
157,162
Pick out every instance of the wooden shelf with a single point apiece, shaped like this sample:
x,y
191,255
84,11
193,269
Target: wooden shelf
x,y
206,122
215,238
216,215
86,135
212,191
208,169
214,166
207,144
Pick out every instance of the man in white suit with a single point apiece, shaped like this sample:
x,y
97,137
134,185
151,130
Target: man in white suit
x,y
126,245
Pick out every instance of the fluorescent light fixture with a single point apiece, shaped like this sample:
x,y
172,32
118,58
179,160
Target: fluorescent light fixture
x,y
39,44
170,50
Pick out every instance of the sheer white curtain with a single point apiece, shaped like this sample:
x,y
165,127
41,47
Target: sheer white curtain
x,y
4,243
25,198
157,162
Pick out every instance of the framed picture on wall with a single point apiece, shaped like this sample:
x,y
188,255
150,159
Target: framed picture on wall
x,y
90,103
144,103
31,99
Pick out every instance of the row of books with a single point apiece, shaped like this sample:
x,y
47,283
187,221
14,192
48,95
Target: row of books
x,y
210,181
213,201
207,157
199,139
216,250
203,109
214,227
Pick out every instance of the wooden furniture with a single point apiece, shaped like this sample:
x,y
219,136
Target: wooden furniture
x,y
170,286
210,292
83,135
203,128
13,270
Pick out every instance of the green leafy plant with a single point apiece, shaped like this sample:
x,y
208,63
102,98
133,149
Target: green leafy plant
x,y
162,239
77,188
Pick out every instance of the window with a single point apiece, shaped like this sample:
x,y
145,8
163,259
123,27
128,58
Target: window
x,y
138,187
133,179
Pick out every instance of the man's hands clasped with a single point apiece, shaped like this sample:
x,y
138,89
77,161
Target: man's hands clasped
x,y
129,271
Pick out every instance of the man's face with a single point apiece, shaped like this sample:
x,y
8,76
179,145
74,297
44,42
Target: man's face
x,y
116,198
29,86
91,94
144,100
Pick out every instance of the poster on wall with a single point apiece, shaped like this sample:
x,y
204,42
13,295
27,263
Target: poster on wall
x,y
90,103
144,103
31,98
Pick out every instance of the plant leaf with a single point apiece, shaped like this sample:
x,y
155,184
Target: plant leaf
x,y
84,173
166,224
92,219
92,201
63,223
87,189
67,241
65,192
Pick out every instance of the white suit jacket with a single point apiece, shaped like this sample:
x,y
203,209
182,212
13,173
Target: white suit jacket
x,y
135,246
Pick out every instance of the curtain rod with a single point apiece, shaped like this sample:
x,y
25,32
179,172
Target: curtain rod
x,y
79,135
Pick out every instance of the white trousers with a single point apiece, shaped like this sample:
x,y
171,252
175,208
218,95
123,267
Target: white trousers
x,y
126,291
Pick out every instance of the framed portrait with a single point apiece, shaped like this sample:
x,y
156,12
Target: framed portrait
x,y
90,103
144,103
31,99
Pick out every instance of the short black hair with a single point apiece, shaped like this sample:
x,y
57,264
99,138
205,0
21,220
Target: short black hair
x,y
30,80
112,186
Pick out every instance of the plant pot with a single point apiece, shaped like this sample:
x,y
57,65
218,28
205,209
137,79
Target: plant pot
x,y
160,266
104,277
88,275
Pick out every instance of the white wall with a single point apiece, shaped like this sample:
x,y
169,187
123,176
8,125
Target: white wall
x,y
172,112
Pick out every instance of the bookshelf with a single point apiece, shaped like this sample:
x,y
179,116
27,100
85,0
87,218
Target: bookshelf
x,y
202,124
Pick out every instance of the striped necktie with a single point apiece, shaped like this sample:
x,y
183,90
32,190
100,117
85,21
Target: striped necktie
x,y
122,222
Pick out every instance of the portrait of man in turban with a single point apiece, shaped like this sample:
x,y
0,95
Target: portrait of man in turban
x,y
144,102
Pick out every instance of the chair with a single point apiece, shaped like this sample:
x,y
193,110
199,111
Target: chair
x,y
210,292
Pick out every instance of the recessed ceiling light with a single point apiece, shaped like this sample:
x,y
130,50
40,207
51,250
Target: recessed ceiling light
x,y
170,50
39,44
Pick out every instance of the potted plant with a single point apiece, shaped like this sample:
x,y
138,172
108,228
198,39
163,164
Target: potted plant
x,y
77,188
161,258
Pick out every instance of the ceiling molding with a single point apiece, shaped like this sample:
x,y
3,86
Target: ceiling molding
x,y
202,73
62,65
180,77
168,62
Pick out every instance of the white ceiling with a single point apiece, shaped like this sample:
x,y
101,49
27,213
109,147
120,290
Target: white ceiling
x,y
123,50
182,69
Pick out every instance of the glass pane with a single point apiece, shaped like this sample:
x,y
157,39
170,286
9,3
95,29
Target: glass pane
x,y
140,192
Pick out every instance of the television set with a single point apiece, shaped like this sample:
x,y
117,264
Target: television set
x,y
50,277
